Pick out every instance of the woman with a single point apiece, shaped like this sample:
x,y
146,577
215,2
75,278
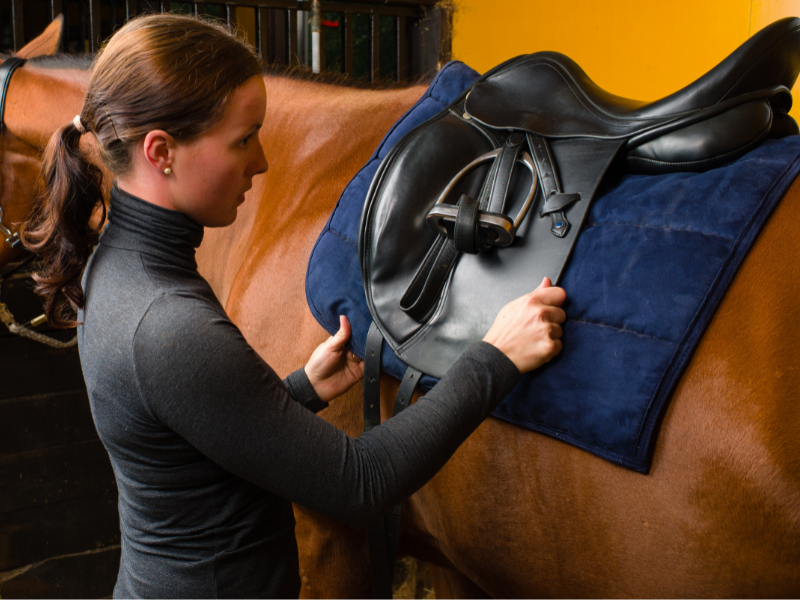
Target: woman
x,y
208,445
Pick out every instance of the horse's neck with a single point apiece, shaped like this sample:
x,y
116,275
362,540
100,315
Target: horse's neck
x,y
41,100
316,137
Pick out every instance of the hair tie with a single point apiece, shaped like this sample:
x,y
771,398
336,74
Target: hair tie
x,y
78,125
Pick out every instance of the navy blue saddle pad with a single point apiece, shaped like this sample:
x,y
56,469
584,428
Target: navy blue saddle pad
x,y
655,258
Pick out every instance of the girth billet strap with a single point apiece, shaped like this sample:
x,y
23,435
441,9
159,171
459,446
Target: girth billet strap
x,y
384,534
372,378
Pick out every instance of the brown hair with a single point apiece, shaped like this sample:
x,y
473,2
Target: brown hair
x,y
169,72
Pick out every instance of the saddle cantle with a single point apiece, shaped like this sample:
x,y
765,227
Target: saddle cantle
x,y
474,207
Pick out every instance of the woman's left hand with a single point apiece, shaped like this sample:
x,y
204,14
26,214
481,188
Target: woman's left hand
x,y
332,368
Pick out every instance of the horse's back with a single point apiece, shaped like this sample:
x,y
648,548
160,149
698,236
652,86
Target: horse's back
x,y
718,515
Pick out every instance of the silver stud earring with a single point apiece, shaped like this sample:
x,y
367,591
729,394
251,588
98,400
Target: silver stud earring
x,y
167,171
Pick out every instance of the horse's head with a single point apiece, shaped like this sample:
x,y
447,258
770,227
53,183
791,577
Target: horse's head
x,y
43,94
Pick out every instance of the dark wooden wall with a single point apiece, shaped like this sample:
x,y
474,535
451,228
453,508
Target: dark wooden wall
x,y
59,526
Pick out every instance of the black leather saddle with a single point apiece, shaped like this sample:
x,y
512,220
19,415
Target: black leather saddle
x,y
474,207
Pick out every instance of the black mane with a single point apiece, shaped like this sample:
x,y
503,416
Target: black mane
x,y
303,73
63,60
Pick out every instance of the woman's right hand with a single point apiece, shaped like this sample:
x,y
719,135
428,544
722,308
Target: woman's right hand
x,y
528,330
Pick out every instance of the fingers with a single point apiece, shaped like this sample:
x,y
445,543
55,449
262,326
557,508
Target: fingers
x,y
554,314
342,336
552,296
549,294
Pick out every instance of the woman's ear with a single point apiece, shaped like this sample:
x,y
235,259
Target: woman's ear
x,y
159,148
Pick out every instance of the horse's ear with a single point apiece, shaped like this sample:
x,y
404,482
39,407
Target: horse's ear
x,y
47,43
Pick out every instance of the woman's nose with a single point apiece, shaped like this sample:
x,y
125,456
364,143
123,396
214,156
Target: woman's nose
x,y
260,164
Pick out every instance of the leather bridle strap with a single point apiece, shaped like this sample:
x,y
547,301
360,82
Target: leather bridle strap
x,y
6,71
384,534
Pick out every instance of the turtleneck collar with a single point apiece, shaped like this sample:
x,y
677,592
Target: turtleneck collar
x,y
135,224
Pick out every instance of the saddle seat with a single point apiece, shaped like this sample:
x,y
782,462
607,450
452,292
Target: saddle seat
x,y
547,93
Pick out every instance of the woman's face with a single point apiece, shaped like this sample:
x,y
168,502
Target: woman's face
x,y
211,173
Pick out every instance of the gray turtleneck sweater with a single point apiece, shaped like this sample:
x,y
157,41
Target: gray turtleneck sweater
x,y
210,447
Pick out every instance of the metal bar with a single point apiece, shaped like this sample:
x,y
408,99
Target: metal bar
x,y
84,42
414,12
27,24
128,12
322,63
262,32
291,39
64,32
287,37
367,4
347,45
94,25
445,31
17,24
55,9
402,49
402,2
230,14
375,47
112,14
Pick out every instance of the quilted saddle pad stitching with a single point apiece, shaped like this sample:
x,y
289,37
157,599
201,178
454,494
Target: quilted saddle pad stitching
x,y
725,275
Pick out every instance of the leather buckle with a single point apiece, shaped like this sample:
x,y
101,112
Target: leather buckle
x,y
12,239
501,228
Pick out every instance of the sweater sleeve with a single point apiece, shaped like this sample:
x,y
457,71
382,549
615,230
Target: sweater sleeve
x,y
202,379
302,392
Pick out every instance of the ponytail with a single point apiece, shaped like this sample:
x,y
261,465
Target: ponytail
x,y
60,227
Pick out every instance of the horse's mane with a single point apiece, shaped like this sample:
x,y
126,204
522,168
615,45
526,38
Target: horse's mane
x,y
83,62
303,73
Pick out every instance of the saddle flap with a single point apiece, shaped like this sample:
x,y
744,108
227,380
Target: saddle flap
x,y
395,239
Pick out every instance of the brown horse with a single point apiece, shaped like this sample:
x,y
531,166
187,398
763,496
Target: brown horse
x,y
514,513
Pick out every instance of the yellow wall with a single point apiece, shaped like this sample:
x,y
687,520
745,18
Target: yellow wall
x,y
634,48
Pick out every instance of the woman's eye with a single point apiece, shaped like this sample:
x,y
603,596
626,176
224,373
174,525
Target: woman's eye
x,y
244,141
